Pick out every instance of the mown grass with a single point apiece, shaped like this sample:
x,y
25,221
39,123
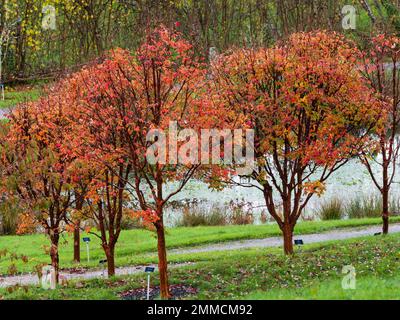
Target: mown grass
x,y
14,97
313,273
366,288
139,246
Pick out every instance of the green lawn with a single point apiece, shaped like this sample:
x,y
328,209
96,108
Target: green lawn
x,y
313,273
13,97
139,246
366,288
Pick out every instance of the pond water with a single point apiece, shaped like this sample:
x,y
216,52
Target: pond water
x,y
350,182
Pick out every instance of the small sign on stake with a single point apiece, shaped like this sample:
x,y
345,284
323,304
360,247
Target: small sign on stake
x,y
87,240
298,242
103,263
149,270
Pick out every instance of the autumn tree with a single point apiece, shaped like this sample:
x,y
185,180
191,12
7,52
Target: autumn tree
x,y
310,110
107,204
38,167
84,173
381,71
169,79
124,98
107,173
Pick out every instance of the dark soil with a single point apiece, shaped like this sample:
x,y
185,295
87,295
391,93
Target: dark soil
x,y
76,270
177,292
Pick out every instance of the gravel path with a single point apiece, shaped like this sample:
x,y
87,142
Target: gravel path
x,y
277,241
32,279
3,113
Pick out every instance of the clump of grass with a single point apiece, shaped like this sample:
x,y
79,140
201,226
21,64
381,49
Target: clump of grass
x,y
364,207
370,207
197,214
331,210
127,223
394,207
194,216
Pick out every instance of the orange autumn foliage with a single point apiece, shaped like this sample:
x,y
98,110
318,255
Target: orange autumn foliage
x,y
311,111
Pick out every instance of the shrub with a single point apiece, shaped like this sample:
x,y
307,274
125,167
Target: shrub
x,y
240,215
9,212
264,217
241,218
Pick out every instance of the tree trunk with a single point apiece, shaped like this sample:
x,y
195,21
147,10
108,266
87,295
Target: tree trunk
x,y
385,195
77,246
162,261
385,210
110,253
77,241
287,238
55,261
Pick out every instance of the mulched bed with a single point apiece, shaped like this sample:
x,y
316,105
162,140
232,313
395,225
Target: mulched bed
x,y
77,270
177,291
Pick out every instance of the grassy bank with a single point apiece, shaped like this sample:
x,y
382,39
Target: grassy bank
x,y
15,96
139,246
313,273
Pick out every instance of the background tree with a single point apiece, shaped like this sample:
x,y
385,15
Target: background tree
x,y
86,29
99,149
84,174
381,70
107,205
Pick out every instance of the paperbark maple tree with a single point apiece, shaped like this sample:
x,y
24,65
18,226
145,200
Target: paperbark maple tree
x,y
106,200
311,112
39,168
125,97
101,167
381,70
